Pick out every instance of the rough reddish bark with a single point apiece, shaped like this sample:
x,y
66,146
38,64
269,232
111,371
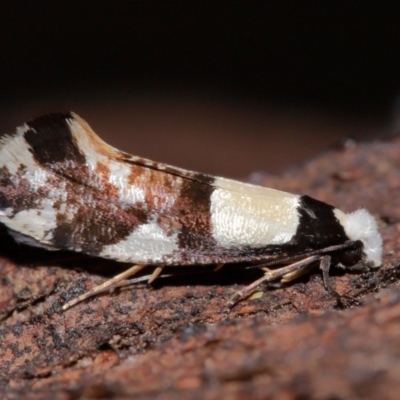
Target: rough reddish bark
x,y
171,340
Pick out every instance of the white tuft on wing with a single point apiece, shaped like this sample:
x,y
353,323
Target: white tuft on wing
x,y
361,225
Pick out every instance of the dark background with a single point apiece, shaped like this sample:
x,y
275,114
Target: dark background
x,y
223,87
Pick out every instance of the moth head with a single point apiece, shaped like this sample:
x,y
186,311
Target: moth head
x,y
360,226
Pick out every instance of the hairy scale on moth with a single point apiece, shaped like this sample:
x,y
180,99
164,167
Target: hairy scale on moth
x,y
63,188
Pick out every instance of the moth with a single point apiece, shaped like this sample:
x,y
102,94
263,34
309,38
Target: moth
x,y
63,188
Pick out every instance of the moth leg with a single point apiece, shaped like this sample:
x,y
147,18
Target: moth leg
x,y
275,285
296,274
155,274
105,285
325,266
270,275
128,282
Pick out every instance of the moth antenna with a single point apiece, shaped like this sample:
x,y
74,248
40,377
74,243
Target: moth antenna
x,y
108,284
271,275
156,274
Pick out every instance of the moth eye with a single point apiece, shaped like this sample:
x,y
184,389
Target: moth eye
x,y
350,256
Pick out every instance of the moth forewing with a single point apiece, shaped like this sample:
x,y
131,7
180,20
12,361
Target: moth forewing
x,y
62,187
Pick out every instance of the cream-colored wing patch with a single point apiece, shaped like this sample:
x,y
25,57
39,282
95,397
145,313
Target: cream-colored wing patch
x,y
249,215
147,242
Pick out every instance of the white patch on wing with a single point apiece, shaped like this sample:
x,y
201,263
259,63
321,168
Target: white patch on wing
x,y
32,225
147,244
36,223
127,192
24,128
15,151
36,176
250,215
361,225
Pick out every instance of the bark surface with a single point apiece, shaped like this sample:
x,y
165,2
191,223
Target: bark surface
x,y
172,340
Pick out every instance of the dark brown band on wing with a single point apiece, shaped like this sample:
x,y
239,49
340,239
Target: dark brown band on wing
x,y
99,219
51,140
193,212
16,192
318,226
